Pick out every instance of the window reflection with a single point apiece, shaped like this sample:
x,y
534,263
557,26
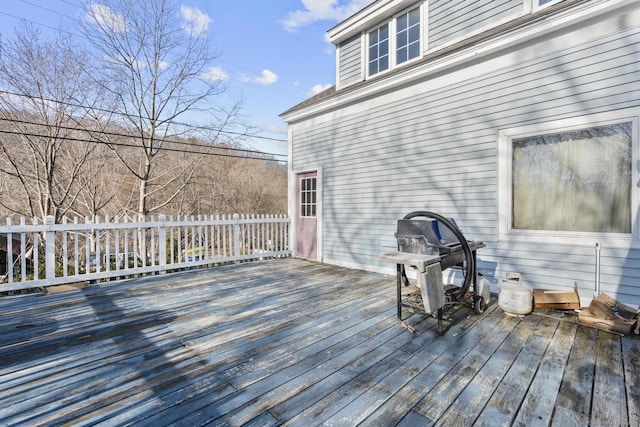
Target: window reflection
x,y
574,181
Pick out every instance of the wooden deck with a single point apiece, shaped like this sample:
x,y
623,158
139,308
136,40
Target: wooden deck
x,y
289,342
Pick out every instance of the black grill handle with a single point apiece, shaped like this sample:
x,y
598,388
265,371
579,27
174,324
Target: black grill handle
x,y
469,269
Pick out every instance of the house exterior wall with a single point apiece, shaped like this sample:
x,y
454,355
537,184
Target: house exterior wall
x,y
452,19
349,64
446,21
433,144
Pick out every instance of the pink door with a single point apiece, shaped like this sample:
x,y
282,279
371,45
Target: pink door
x,y
307,208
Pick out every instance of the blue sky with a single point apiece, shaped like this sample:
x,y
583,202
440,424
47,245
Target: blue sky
x,y
274,54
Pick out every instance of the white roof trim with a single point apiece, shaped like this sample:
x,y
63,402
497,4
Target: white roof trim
x,y
366,18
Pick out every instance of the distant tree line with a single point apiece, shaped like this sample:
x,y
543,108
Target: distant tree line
x,y
70,174
99,126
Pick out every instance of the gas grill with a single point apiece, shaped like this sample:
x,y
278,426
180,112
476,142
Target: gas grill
x,y
431,244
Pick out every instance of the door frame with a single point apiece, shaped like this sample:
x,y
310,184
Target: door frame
x,y
294,208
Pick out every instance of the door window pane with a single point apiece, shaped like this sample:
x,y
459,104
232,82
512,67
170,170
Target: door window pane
x,y
308,197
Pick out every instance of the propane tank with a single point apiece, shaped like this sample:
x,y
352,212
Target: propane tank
x,y
514,297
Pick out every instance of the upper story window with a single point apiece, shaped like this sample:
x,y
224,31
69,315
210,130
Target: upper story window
x,y
408,36
379,50
397,41
543,3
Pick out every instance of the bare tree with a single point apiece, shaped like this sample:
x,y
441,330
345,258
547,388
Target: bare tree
x,y
41,150
255,186
99,187
156,65
147,73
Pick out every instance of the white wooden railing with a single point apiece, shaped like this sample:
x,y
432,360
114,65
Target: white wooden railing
x,y
40,255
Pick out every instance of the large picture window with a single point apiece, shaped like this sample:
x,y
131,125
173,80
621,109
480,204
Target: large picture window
x,y
576,180
569,180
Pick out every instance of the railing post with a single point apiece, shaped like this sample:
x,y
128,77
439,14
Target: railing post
x,y
9,258
162,241
236,236
50,248
23,252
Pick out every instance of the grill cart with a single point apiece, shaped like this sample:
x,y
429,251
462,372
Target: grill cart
x,y
432,243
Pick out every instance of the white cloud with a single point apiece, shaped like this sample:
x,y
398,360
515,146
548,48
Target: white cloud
x,y
276,128
103,16
318,88
196,22
330,48
215,74
318,10
268,78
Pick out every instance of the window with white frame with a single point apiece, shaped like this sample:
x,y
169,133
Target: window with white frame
x,y
396,42
569,180
379,49
408,36
308,202
545,3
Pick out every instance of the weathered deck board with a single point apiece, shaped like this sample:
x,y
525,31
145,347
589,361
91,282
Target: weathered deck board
x,y
609,400
630,352
537,407
573,405
465,409
289,342
503,406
